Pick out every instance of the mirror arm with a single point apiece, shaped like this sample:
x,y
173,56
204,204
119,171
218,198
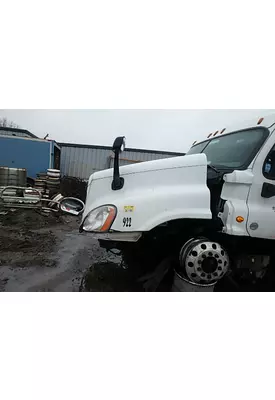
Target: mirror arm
x,y
118,182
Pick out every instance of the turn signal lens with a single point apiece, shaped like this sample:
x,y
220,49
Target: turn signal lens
x,y
260,121
240,219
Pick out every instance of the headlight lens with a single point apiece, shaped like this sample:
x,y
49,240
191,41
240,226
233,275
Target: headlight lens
x,y
100,219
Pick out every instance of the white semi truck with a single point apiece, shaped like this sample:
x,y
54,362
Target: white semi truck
x,y
208,215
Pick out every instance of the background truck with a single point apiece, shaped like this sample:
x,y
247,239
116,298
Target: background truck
x,y
36,155
209,215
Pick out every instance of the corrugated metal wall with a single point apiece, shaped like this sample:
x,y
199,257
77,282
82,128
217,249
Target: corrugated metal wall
x,y
81,161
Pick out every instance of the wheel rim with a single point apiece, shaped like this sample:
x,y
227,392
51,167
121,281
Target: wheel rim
x,y
203,261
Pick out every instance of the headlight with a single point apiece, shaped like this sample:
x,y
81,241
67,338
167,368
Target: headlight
x,y
100,219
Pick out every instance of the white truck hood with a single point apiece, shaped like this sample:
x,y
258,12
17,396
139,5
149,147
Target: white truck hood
x,y
154,192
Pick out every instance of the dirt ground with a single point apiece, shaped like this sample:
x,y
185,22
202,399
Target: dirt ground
x,y
41,253
47,253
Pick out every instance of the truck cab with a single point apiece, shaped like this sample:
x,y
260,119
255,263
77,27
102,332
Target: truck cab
x,y
211,212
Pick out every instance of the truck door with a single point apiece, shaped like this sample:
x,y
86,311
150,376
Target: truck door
x,y
261,198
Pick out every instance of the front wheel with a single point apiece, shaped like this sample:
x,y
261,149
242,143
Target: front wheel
x,y
203,261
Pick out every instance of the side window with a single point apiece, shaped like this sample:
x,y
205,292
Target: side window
x,y
269,165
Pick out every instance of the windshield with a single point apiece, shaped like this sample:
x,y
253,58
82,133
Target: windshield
x,y
235,150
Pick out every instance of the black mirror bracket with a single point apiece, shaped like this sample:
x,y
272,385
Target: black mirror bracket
x,y
118,184
118,146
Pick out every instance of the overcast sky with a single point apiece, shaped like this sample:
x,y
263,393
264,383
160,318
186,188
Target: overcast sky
x,y
173,130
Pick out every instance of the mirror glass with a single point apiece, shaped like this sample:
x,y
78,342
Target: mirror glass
x,y
71,205
122,146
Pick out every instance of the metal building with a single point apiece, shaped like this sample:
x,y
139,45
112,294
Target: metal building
x,y
6,131
80,161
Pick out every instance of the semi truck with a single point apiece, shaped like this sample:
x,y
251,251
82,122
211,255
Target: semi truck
x,y
208,216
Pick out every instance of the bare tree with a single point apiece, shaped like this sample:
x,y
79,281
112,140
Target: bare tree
x,y
4,122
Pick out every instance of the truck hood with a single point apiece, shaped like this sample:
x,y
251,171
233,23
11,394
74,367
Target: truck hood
x,y
155,192
156,165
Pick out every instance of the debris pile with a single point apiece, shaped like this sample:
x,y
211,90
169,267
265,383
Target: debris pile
x,y
48,183
73,187
53,181
12,176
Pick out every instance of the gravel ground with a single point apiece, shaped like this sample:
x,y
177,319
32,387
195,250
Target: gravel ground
x,y
47,253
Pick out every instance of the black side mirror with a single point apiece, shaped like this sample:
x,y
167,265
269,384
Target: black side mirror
x,y
268,190
71,205
119,144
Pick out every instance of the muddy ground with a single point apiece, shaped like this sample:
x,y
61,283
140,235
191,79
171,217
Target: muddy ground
x,y
47,253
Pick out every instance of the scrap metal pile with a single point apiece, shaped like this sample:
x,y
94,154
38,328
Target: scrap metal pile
x,y
44,195
76,187
48,183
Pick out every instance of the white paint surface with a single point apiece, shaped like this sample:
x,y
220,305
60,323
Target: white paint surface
x,y
160,191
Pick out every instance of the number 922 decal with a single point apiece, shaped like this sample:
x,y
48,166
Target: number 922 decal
x,y
127,222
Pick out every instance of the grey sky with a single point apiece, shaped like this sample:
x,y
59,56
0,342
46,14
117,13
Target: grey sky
x,y
173,130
